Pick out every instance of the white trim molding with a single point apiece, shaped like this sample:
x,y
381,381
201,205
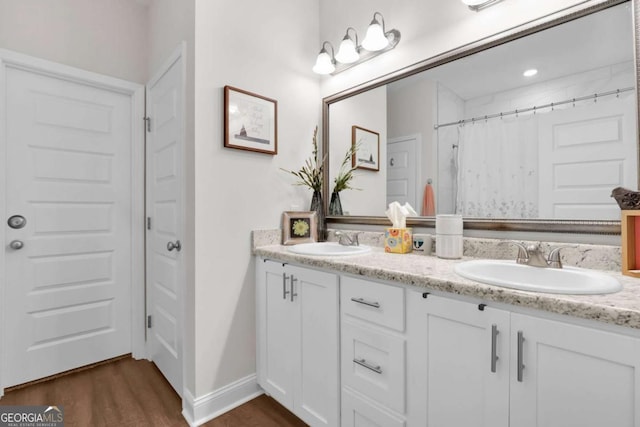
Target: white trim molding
x,y
199,410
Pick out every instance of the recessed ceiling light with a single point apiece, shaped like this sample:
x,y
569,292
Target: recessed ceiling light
x,y
530,73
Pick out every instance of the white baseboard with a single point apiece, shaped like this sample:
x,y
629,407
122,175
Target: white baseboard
x,y
198,411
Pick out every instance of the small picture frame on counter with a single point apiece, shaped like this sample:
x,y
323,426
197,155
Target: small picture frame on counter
x,y
299,227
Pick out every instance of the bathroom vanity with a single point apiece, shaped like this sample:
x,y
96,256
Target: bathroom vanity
x,y
400,340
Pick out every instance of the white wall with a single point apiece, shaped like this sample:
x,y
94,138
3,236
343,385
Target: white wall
x,y
107,37
266,47
369,111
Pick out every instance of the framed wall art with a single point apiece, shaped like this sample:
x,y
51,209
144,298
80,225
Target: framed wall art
x,y
299,227
250,121
367,156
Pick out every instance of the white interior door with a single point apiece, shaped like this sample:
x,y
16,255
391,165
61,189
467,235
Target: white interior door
x,y
585,152
402,171
67,289
165,278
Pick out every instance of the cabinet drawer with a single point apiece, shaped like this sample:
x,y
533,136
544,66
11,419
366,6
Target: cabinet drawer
x,y
374,302
357,412
373,363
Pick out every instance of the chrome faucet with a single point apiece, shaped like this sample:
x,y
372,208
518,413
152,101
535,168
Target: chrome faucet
x,y
532,255
345,240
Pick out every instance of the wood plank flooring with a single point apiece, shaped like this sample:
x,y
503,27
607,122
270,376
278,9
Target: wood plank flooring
x,y
132,393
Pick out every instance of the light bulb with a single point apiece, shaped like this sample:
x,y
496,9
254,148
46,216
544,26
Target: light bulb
x,y
375,39
324,64
347,53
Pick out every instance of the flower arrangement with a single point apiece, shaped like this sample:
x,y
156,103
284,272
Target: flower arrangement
x,y
310,174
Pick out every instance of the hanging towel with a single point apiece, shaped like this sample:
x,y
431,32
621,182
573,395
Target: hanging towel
x,y
428,201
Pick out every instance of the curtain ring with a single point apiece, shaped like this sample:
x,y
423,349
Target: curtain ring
x,y
595,98
617,93
574,102
552,106
516,112
534,110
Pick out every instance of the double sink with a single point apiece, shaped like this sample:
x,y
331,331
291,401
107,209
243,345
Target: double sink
x,y
508,274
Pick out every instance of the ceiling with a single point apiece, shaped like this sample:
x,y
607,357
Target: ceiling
x,y
572,47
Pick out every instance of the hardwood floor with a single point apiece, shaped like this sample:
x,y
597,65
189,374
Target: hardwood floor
x,y
131,392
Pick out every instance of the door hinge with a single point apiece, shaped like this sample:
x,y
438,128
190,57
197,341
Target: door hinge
x,y
149,321
148,223
147,120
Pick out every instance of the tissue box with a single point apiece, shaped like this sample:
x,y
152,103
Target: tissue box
x,y
398,240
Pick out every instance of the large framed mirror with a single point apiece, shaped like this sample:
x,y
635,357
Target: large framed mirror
x,y
475,132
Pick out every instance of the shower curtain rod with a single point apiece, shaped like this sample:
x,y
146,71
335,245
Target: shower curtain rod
x,y
595,97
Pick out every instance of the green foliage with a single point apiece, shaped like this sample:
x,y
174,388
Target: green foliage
x,y
346,172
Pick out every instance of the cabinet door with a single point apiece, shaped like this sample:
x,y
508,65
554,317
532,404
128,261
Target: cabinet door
x,y
278,332
458,363
317,397
573,376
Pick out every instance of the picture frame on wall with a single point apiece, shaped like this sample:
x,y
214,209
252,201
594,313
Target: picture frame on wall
x,y
367,155
250,121
299,227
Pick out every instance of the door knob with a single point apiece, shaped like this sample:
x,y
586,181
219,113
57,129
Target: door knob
x,y
16,244
17,221
177,246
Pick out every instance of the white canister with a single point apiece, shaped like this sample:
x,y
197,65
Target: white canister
x,y
449,243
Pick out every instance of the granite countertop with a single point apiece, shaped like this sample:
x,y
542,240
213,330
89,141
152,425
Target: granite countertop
x,y
432,273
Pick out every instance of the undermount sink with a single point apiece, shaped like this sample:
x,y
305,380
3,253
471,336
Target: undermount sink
x,y
327,249
566,280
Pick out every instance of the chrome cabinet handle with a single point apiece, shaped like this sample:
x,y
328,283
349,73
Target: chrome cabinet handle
x,y
293,293
520,355
177,246
364,302
363,362
285,292
16,244
494,343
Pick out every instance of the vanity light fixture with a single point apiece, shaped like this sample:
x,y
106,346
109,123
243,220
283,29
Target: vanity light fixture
x,y
348,50
375,39
477,5
376,42
325,64
530,72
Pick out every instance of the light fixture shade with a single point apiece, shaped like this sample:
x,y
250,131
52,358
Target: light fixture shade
x,y
474,2
347,52
375,39
324,63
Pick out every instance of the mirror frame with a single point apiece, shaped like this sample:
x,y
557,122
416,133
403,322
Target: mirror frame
x,y
609,227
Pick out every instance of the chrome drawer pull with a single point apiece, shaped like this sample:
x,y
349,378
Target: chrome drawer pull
x,y
363,301
362,362
520,362
494,350
285,292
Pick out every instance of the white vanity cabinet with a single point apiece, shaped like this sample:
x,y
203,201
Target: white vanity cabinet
x,y
373,348
572,375
298,340
458,363
491,367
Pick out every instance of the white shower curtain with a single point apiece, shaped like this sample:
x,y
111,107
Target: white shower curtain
x,y
497,171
